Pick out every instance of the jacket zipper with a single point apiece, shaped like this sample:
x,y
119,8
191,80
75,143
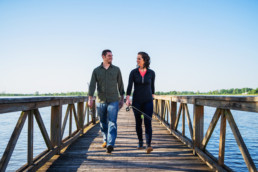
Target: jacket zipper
x,y
143,79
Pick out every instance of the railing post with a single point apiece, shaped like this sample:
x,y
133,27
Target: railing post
x,y
30,138
80,107
222,139
56,125
198,124
173,115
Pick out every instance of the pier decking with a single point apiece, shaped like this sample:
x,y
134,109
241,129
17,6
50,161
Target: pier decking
x,y
86,154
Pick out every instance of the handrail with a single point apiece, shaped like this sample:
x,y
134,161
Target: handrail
x,y
165,107
29,108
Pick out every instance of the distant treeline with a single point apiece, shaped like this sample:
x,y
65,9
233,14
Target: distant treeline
x,y
46,94
232,91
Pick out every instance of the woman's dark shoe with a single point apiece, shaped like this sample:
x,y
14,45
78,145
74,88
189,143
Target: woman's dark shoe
x,y
110,149
149,149
140,145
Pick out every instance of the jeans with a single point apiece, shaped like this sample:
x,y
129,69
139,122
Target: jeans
x,y
107,113
147,108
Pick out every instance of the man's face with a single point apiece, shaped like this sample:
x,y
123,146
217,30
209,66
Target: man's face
x,y
108,58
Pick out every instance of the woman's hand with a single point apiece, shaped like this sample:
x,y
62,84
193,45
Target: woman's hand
x,y
128,102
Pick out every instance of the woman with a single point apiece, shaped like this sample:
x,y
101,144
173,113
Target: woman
x,y
143,79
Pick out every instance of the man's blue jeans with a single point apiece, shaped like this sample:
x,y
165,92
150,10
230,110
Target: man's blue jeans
x,y
107,113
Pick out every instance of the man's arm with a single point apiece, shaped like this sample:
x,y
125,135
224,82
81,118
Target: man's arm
x,y
120,88
92,88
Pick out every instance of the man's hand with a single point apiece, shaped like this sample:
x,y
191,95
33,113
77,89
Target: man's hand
x,y
90,102
128,102
121,102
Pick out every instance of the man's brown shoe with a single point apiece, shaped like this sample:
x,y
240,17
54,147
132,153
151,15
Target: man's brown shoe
x,y
104,145
149,149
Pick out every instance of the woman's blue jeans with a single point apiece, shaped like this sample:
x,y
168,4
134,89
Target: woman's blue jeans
x,y
107,113
147,108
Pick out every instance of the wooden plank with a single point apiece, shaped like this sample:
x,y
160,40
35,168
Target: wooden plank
x,y
65,120
56,123
41,99
70,139
210,162
240,142
81,115
243,103
75,117
178,116
183,120
177,134
40,161
43,129
222,138
12,142
13,107
198,124
234,105
30,138
173,111
70,120
189,121
212,126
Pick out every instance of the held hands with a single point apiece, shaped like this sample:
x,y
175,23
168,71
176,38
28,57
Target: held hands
x,y
128,102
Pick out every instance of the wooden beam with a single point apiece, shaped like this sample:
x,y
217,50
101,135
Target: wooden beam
x,y
13,140
30,138
70,120
189,121
56,124
42,129
183,120
75,117
240,142
212,126
65,120
173,114
198,123
222,138
178,116
209,161
81,115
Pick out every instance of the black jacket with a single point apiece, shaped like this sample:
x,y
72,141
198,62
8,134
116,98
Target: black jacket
x,y
143,86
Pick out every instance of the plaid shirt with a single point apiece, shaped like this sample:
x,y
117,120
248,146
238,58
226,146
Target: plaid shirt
x,y
109,84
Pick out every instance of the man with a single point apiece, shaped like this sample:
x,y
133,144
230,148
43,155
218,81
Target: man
x,y
109,85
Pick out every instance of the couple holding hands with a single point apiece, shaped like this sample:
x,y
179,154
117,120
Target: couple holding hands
x,y
108,79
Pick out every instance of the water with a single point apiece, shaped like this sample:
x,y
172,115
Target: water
x,y
247,123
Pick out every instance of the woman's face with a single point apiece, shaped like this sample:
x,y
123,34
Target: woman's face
x,y
140,61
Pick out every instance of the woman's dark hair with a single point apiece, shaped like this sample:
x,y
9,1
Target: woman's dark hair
x,y
146,59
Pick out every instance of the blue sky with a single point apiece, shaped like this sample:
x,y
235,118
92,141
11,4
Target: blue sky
x,y
53,46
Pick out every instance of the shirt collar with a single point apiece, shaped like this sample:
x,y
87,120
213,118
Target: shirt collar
x,y
101,65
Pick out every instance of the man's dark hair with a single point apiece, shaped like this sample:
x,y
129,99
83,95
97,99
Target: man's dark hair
x,y
146,59
104,52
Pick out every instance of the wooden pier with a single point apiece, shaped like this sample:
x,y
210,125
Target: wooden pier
x,y
81,149
86,154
